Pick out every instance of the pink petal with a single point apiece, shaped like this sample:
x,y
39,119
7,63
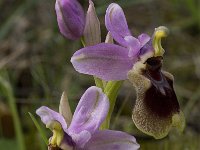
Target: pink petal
x,y
47,115
112,140
106,61
115,21
90,112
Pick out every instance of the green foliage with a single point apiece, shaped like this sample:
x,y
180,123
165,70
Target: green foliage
x,y
6,144
6,90
40,130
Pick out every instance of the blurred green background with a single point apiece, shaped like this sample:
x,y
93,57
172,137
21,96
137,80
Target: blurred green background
x,y
35,67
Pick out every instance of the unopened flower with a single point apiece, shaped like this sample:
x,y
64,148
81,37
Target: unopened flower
x,y
71,18
83,132
111,61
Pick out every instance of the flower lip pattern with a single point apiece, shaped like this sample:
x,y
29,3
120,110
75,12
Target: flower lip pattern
x,y
83,132
157,109
111,61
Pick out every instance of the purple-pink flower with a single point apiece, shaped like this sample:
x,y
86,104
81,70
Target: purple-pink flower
x,y
83,133
116,23
111,61
70,18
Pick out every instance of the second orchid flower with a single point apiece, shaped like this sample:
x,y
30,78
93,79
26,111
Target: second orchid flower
x,y
83,132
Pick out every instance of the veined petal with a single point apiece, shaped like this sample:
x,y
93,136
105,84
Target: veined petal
x,y
143,38
116,23
47,116
81,138
106,61
133,45
90,112
146,51
112,140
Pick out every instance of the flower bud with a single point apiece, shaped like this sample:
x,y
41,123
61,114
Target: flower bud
x,y
70,17
157,108
92,32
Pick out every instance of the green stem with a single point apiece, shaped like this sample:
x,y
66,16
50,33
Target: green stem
x,y
99,82
111,90
83,41
8,93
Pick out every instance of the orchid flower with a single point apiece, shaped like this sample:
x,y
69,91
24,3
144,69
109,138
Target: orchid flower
x,y
70,18
140,60
111,61
83,132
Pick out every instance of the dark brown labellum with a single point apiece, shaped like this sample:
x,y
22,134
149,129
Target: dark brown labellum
x,y
160,98
156,109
